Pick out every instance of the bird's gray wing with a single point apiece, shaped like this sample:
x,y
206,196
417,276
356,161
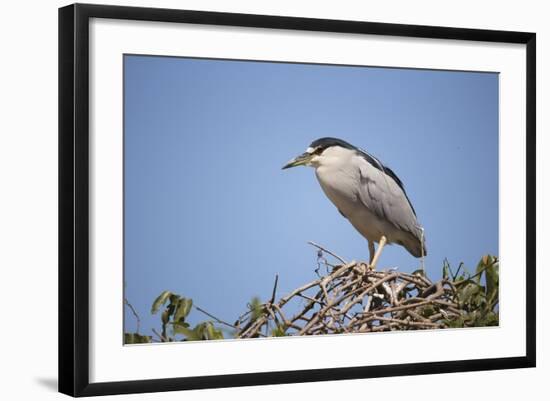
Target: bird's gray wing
x,y
384,197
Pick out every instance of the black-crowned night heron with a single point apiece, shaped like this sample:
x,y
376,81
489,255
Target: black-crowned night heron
x,y
366,192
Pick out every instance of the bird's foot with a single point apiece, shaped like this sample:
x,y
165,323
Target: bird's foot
x,y
362,268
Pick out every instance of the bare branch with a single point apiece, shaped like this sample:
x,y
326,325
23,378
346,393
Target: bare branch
x,y
274,289
161,337
215,318
138,320
327,251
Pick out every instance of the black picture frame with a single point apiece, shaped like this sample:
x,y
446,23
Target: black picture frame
x,y
74,198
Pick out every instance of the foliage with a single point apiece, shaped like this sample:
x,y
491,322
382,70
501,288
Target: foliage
x,y
174,317
477,295
136,338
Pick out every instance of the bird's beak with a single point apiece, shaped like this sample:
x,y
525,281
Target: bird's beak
x,y
304,158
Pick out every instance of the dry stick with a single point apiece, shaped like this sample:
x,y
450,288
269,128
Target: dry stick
x,y
258,323
262,320
410,306
422,256
162,338
414,280
274,289
138,320
241,318
285,320
394,299
328,300
406,322
365,310
315,283
398,290
348,306
367,290
388,291
327,251
272,314
450,304
350,284
400,308
254,327
301,315
270,303
416,316
311,299
214,317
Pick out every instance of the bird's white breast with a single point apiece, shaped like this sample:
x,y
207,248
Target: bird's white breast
x,y
339,180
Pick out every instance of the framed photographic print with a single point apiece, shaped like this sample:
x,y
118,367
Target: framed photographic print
x,y
251,199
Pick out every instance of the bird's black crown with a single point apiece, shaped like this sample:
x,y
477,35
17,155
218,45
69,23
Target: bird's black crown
x,y
327,142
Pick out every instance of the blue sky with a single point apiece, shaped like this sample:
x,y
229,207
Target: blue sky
x,y
209,213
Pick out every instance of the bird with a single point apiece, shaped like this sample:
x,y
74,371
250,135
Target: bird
x,y
366,192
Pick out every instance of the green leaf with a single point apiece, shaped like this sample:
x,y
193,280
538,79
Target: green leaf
x,y
165,317
161,300
182,328
427,311
481,266
194,334
492,280
135,338
445,273
203,331
257,309
181,324
491,319
466,293
279,331
457,322
213,332
209,331
174,298
129,338
182,309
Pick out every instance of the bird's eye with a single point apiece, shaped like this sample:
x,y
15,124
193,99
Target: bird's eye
x,y
318,150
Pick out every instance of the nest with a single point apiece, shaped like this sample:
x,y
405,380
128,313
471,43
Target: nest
x,y
356,298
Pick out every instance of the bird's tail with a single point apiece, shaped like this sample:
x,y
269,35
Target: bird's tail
x,y
416,244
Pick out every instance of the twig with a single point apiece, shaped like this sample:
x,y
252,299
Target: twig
x,y
422,256
162,338
274,289
138,320
215,318
457,283
327,251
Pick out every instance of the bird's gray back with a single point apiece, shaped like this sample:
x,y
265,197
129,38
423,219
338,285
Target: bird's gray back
x,y
381,193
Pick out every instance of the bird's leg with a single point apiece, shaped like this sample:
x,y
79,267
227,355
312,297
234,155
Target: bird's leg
x,y
422,251
371,252
381,244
